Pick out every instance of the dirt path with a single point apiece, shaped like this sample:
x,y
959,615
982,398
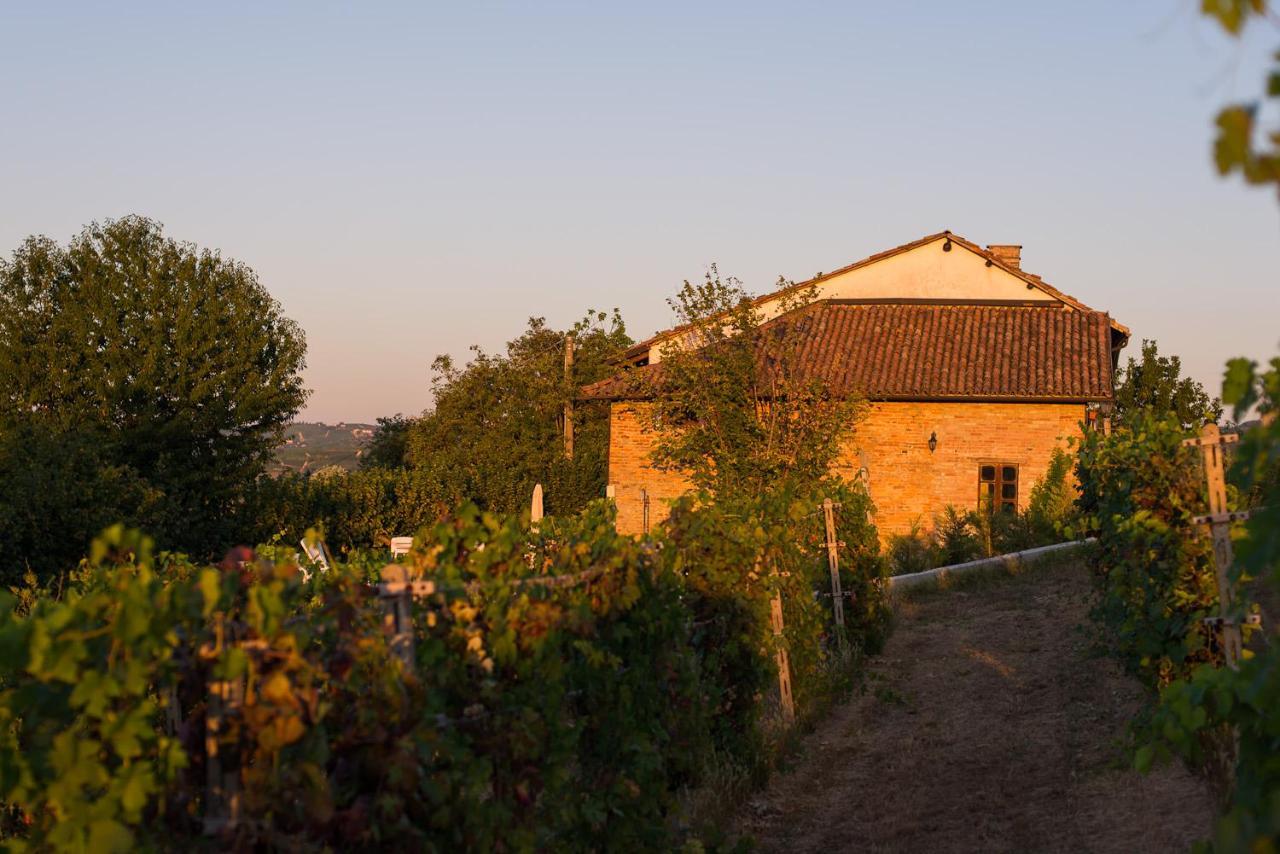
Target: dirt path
x,y
987,726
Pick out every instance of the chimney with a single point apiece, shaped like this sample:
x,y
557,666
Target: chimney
x,y
1008,253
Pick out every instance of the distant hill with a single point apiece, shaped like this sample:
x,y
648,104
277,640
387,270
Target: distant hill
x,y
309,446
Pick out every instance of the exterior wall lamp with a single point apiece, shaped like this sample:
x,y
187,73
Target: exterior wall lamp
x,y
933,442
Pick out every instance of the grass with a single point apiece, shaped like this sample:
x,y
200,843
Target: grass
x,y
987,725
985,576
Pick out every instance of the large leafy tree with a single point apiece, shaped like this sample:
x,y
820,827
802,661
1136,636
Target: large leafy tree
x,y
735,409
175,361
496,428
1155,385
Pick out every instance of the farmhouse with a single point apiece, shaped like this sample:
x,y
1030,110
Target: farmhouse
x,y
975,370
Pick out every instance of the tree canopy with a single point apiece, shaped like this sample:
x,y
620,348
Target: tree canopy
x,y
389,447
496,428
733,409
1156,385
176,363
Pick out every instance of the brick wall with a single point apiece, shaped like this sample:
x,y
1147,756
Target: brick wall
x,y
907,481
630,473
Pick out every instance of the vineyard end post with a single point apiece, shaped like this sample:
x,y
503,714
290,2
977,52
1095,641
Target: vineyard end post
x,y
833,561
1211,443
784,661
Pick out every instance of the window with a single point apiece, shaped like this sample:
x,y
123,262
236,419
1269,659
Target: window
x,y
998,486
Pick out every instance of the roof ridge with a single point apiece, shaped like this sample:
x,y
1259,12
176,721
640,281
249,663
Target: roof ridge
x,y
1032,280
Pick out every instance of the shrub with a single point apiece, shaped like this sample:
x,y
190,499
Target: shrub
x,y
1051,513
1140,488
910,552
58,490
959,536
715,545
356,510
1193,715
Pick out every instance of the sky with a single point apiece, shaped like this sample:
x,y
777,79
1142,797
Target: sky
x,y
412,179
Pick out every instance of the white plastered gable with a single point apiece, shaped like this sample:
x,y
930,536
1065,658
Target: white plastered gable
x,y
923,272
927,272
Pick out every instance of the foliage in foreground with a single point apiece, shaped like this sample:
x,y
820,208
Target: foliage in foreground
x,y
745,551
1141,488
1242,701
1245,701
1153,568
534,716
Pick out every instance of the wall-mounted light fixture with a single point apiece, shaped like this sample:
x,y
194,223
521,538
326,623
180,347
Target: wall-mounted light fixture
x,y
933,442
946,247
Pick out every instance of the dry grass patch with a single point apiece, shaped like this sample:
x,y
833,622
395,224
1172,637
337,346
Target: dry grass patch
x,y
988,725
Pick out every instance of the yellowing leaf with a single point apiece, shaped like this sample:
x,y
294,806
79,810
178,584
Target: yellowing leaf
x,y
277,689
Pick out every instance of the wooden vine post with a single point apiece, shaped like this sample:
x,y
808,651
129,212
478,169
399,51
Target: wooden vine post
x,y
568,403
644,505
396,592
784,661
1219,520
222,783
833,560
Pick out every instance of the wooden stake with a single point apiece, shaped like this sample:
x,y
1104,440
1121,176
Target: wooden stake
x,y
222,785
568,404
396,594
784,663
1219,521
644,503
833,562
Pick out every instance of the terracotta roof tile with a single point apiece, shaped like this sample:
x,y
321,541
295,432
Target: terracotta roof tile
x,y
1032,280
935,352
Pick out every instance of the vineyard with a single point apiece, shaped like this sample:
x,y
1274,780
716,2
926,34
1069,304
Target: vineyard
x,y
1061,636
1159,608
552,686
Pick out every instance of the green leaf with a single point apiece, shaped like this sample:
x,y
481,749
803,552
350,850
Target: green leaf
x,y
93,691
1239,386
136,787
210,589
233,664
107,836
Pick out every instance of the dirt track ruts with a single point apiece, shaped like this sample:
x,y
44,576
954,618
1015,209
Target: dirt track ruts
x,y
988,724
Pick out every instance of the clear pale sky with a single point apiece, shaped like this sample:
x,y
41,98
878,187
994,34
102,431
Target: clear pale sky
x,y
409,178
